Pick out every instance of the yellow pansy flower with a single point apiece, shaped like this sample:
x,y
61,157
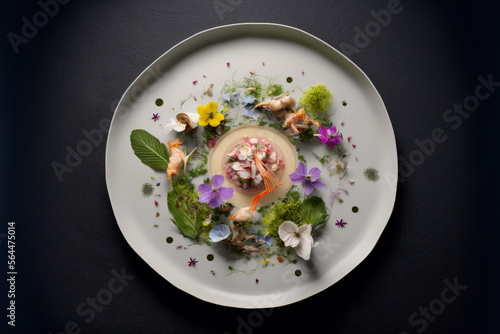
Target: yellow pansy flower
x,y
208,114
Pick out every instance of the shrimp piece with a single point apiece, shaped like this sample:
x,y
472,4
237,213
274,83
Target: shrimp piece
x,y
292,120
278,103
245,214
177,158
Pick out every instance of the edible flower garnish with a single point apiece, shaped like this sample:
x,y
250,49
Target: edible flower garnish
x,y
341,223
214,195
310,180
192,262
231,98
219,233
297,237
155,117
329,136
209,115
248,105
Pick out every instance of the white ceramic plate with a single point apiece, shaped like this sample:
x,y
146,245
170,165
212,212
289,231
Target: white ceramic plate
x,y
269,50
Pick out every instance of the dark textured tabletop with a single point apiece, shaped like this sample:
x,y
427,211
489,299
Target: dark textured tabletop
x,y
64,66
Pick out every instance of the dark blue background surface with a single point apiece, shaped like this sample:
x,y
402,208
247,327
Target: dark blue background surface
x,y
69,76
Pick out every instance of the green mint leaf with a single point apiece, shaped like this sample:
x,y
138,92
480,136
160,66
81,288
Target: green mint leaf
x,y
149,149
188,225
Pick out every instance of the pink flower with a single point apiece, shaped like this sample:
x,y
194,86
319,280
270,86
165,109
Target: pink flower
x,y
329,136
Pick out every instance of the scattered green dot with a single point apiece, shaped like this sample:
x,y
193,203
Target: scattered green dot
x,y
159,102
355,209
289,79
170,240
344,103
210,257
371,174
147,189
298,272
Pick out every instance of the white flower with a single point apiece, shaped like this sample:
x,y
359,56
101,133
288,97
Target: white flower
x,y
297,237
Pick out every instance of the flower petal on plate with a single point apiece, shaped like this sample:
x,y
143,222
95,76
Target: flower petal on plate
x,y
305,230
318,184
212,107
213,122
323,131
288,233
206,197
302,169
219,233
225,193
202,110
215,201
304,248
218,116
205,188
315,173
309,188
217,180
296,177
203,121
323,139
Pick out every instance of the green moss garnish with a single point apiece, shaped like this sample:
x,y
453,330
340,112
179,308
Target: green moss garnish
x,y
275,89
187,211
316,99
288,208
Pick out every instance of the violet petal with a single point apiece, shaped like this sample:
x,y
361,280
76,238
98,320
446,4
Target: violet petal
x,y
308,187
296,177
301,169
205,188
215,201
315,173
225,193
318,184
206,197
217,180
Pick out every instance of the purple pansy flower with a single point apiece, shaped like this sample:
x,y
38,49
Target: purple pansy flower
x,y
329,136
310,180
214,195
